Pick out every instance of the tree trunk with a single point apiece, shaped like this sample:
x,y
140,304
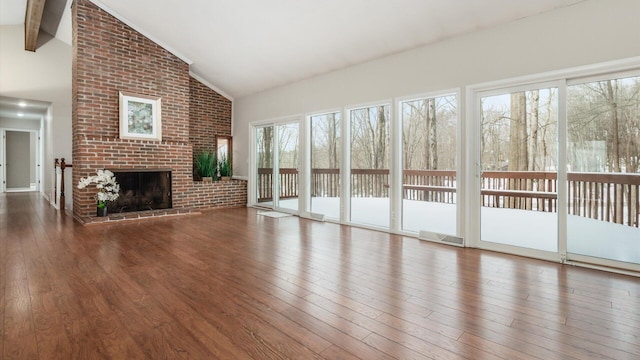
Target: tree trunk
x,y
333,142
266,147
533,129
518,133
517,141
380,139
615,144
613,109
545,151
432,140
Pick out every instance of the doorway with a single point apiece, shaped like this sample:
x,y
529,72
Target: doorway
x,y
369,156
557,170
519,168
277,159
429,165
20,160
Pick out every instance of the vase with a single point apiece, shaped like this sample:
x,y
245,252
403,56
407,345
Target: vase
x,y
101,211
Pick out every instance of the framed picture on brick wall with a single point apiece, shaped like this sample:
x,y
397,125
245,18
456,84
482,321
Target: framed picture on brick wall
x,y
140,117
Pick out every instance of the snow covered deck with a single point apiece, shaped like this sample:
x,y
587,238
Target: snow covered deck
x,y
529,229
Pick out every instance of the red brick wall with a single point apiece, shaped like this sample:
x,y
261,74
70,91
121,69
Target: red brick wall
x,y
218,194
209,116
109,57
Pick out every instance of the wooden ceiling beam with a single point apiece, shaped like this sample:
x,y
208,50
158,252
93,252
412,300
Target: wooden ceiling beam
x,y
32,20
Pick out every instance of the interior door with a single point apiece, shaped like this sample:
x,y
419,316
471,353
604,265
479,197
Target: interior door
x,y
2,160
18,162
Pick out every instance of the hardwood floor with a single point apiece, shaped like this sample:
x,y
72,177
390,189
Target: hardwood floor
x,y
232,284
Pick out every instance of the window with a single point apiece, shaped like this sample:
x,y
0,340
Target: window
x,y
429,128
325,164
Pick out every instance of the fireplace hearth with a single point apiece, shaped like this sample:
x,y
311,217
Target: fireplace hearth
x,y
142,190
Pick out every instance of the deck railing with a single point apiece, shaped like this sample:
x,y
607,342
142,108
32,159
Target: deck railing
x,y
608,197
527,190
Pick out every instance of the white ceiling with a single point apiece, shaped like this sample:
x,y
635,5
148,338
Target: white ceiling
x,y
13,108
246,46
56,18
12,11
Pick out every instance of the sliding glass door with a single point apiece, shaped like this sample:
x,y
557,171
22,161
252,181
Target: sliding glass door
x,y
277,180
264,166
325,164
603,180
429,152
369,159
286,173
519,168
581,204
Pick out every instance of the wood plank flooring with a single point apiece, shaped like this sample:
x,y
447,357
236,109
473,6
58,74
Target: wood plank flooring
x,y
231,284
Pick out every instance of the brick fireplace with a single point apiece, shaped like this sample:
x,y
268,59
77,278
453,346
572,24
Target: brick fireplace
x,y
110,57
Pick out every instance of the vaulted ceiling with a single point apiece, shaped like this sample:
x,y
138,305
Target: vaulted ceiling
x,y
246,46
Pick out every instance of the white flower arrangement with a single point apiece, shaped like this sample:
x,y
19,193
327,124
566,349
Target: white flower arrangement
x,y
108,187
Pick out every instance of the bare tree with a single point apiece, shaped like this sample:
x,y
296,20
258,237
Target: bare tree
x,y
429,133
534,99
432,139
518,132
370,138
333,139
380,140
610,94
325,141
265,147
413,133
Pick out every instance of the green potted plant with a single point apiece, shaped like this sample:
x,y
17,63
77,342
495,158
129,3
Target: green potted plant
x,y
224,167
205,163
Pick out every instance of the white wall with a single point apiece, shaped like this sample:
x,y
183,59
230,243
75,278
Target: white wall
x,y
43,75
586,33
18,124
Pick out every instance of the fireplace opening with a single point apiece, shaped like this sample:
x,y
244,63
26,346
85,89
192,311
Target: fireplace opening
x,y
142,190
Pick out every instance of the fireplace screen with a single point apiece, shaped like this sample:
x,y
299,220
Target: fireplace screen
x,y
142,190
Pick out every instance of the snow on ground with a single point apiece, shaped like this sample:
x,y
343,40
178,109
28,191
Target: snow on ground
x,y
529,229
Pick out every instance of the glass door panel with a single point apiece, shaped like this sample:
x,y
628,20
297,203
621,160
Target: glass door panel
x,y
264,166
325,164
287,170
369,176
603,129
519,169
429,128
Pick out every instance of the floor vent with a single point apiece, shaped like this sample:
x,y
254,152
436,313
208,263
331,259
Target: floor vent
x,y
312,215
441,238
317,216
